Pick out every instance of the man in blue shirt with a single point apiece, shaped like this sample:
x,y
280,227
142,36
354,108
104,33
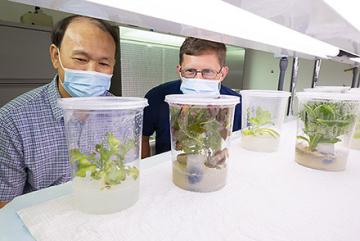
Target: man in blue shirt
x,y
201,69
33,150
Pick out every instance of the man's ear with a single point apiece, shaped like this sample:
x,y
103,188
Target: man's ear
x,y
54,55
224,72
178,68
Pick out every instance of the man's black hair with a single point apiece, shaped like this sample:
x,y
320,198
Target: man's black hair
x,y
59,30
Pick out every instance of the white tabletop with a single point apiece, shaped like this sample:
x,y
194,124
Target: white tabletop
x,y
11,226
268,197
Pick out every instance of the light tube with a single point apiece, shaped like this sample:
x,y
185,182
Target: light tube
x,y
150,37
221,17
355,60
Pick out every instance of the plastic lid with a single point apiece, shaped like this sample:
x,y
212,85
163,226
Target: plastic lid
x,y
355,91
200,99
332,89
265,93
102,103
328,96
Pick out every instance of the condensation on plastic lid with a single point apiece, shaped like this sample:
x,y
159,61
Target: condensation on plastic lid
x,y
102,103
328,96
202,99
265,93
331,89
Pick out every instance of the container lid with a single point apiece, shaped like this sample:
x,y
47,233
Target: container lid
x,y
328,96
331,89
102,103
202,99
355,91
265,93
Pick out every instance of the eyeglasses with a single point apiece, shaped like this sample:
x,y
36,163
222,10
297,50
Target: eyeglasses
x,y
205,73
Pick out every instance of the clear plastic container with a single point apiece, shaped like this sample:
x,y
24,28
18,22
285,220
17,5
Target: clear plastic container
x,y
104,139
263,113
325,126
355,140
200,130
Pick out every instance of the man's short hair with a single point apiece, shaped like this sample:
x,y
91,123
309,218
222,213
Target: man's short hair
x,y
59,30
196,47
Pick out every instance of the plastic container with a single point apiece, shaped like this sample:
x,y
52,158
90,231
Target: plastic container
x,y
325,125
104,139
355,140
329,89
263,113
200,130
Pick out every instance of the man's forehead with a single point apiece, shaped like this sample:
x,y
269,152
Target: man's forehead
x,y
80,36
202,58
83,26
80,21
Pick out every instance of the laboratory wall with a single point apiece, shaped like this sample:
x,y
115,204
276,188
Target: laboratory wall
x,y
11,11
25,62
235,59
145,65
261,71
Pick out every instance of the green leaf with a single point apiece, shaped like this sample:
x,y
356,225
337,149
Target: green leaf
x,y
109,165
76,155
357,134
113,143
325,122
262,118
266,131
81,172
199,130
247,132
303,138
132,171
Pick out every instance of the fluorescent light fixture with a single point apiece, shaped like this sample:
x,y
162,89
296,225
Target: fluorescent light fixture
x,y
355,60
150,37
348,9
224,18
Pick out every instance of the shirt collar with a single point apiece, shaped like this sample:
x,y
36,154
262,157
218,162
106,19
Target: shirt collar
x,y
54,95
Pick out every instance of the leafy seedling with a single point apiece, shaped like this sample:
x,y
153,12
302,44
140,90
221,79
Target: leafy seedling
x,y
199,131
325,122
257,123
106,162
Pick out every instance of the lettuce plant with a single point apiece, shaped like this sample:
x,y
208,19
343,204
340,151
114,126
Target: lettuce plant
x,y
106,162
257,122
200,131
357,130
325,122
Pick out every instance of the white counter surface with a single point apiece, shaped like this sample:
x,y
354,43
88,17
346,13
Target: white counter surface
x,y
268,197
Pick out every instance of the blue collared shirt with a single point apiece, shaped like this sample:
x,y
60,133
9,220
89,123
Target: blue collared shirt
x,y
33,150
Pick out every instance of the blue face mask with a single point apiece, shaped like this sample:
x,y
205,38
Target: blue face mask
x,y
80,83
200,86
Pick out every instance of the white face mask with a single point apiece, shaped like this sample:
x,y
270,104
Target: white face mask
x,y
200,86
80,83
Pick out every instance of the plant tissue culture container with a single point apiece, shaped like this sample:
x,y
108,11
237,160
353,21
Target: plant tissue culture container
x,y
104,139
200,126
263,113
355,140
325,125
